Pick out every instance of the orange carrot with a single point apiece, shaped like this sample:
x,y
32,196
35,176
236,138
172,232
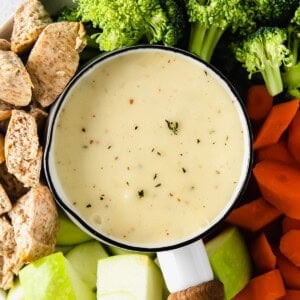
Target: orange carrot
x,y
276,123
262,254
289,272
294,137
254,215
278,151
291,295
290,246
268,286
258,103
244,294
279,184
289,224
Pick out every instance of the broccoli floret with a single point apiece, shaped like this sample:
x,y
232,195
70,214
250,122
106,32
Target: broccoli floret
x,y
68,13
124,23
211,18
275,12
264,51
176,25
291,74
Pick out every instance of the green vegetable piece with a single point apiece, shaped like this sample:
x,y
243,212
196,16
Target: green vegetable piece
x,y
53,277
210,19
230,260
84,258
264,51
134,274
69,233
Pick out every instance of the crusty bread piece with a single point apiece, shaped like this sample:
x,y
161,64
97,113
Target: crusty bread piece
x,y
8,257
4,45
23,154
15,82
54,59
5,204
13,187
34,218
29,21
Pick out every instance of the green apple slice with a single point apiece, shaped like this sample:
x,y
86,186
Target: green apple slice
x,y
230,260
15,292
69,233
133,273
84,258
53,277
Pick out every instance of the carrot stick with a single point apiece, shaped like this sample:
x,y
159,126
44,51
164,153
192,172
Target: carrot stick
x,y
290,246
279,184
244,294
268,286
288,223
262,254
276,123
291,295
258,103
289,272
277,151
294,137
254,215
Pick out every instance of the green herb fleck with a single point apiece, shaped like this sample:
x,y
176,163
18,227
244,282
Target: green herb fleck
x,y
158,185
173,126
141,193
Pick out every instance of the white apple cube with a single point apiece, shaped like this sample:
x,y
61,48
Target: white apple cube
x,y
132,274
53,277
84,258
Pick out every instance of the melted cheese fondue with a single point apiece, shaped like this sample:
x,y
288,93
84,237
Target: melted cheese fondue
x,y
150,148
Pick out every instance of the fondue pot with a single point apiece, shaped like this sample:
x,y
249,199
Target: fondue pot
x,y
183,261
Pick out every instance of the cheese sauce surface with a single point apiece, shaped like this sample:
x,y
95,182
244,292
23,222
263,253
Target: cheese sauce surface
x,y
149,148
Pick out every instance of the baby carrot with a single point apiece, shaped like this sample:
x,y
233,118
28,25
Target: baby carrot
x,y
276,123
288,223
289,272
253,215
258,103
290,246
279,184
278,151
291,295
262,254
294,137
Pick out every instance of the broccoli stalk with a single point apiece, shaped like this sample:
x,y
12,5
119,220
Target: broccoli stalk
x,y
264,51
211,18
291,74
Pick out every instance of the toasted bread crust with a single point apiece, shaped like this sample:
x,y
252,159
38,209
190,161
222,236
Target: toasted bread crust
x,y
23,155
54,60
34,218
29,21
15,82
